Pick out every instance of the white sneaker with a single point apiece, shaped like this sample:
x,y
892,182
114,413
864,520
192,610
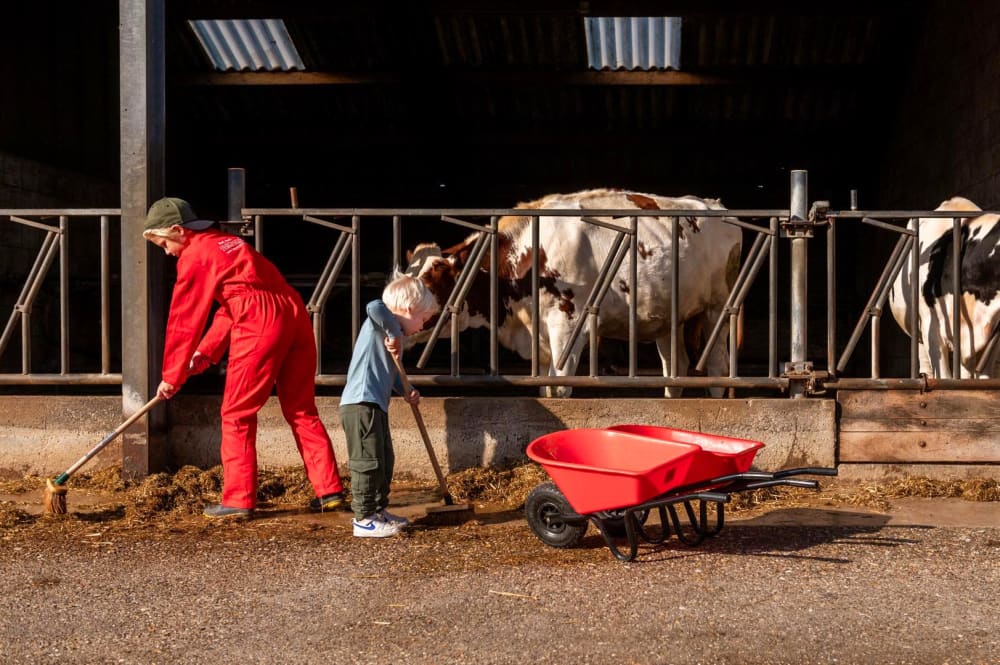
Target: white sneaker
x,y
374,526
393,519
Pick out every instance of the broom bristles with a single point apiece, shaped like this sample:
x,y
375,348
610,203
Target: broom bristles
x,y
55,498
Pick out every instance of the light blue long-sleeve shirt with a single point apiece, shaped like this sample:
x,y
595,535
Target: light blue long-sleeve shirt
x,y
372,375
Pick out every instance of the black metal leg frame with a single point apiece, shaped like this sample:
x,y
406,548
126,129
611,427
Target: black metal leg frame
x,y
716,490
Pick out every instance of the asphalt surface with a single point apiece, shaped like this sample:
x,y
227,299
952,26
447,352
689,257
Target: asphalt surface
x,y
796,586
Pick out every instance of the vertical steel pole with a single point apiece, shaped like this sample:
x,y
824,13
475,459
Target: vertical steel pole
x,y
956,301
142,115
494,296
633,309
535,323
355,279
397,243
105,296
799,287
64,295
772,303
674,290
237,194
914,295
258,233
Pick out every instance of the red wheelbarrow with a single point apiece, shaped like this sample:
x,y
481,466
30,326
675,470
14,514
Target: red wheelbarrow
x,y
614,477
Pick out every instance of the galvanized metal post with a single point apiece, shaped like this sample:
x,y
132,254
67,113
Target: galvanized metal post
x,y
142,88
356,303
772,302
494,296
633,305
105,295
798,213
237,194
64,295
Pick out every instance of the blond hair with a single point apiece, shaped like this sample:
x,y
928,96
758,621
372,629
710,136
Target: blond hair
x,y
409,293
169,233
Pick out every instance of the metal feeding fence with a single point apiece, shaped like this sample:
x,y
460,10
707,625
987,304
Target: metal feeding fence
x,y
361,236
51,228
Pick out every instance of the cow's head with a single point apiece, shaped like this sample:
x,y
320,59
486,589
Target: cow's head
x,y
438,271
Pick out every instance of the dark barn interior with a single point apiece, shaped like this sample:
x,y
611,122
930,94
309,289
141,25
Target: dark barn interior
x,y
487,104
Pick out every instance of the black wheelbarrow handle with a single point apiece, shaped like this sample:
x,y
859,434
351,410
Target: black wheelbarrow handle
x,y
806,471
810,484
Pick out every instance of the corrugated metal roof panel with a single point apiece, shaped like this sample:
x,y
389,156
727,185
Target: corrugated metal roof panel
x,y
253,44
634,42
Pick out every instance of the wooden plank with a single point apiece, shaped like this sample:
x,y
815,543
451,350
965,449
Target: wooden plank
x,y
893,404
982,426
906,447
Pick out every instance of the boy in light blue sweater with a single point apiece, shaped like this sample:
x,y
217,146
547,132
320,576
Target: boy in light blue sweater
x,y
405,306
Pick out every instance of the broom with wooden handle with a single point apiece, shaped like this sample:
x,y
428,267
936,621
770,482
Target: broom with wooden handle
x,y
55,490
451,512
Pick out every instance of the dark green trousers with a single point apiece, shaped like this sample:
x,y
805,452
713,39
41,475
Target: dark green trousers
x,y
369,449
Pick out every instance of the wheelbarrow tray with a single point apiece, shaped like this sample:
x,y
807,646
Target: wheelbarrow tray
x,y
608,469
615,477
718,455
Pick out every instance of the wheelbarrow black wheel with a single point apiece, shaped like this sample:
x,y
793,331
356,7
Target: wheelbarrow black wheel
x,y
552,518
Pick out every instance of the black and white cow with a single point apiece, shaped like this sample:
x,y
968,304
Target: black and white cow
x,y
571,253
979,309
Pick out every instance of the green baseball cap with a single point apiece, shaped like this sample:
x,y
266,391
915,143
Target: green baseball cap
x,y
170,211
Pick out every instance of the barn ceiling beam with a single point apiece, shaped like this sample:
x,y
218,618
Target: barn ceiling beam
x,y
851,77
462,138
319,9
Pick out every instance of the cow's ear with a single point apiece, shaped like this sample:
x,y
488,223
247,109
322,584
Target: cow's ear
x,y
461,257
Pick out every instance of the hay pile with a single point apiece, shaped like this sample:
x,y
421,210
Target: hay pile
x,y
875,496
507,486
189,489
11,516
16,484
976,489
186,492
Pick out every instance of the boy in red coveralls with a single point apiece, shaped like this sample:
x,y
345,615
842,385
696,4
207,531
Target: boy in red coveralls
x,y
264,323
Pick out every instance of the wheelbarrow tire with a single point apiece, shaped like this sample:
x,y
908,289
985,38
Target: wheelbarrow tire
x,y
543,508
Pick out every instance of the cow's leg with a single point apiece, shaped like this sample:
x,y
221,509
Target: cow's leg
x,y
663,348
717,363
937,351
559,329
545,369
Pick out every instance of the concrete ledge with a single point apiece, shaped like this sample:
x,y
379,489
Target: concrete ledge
x,y
44,435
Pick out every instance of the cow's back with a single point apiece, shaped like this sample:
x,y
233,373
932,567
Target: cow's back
x,y
979,279
573,251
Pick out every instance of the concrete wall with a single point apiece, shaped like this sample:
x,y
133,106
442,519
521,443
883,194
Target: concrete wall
x,y
45,435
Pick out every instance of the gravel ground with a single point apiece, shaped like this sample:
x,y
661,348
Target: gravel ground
x,y
797,586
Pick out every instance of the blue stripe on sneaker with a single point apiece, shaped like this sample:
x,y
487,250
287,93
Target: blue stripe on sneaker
x,y
370,527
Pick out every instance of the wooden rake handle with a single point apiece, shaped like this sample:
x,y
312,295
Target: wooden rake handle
x,y
407,389
143,410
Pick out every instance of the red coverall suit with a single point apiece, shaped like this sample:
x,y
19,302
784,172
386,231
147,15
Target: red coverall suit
x,y
270,338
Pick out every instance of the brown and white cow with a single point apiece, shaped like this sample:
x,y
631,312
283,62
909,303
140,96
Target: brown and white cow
x,y
979,310
571,253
